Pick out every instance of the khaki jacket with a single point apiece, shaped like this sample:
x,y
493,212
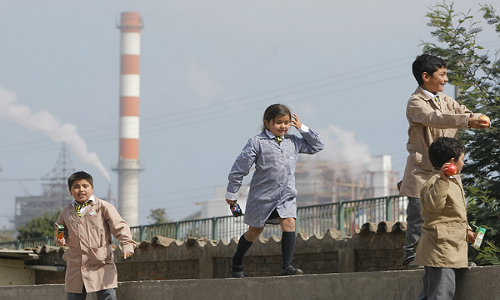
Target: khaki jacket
x,y
427,122
443,242
89,258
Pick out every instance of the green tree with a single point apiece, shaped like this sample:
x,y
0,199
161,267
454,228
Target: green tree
x,y
7,235
38,227
477,78
158,216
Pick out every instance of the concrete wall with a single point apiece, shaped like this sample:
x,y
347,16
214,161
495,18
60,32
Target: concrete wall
x,y
377,247
472,283
12,272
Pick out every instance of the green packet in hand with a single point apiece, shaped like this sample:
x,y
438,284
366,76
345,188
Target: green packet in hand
x,y
480,232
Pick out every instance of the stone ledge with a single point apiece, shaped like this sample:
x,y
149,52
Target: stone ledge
x,y
472,283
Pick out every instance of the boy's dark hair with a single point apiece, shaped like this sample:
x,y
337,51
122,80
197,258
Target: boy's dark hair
x,y
273,111
443,149
78,176
426,63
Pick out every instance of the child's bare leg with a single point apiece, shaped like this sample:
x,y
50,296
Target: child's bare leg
x,y
244,244
253,233
287,225
288,246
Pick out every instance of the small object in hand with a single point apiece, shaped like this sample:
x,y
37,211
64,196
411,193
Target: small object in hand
x,y
236,210
452,170
480,232
60,231
485,118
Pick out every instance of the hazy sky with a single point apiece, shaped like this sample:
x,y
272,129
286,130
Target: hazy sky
x,y
208,71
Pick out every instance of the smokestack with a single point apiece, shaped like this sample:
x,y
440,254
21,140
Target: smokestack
x,y
129,165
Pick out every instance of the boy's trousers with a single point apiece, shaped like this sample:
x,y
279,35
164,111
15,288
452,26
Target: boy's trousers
x,y
438,283
414,222
108,294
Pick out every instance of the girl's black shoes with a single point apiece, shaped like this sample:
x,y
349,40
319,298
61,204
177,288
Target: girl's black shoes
x,y
237,271
290,270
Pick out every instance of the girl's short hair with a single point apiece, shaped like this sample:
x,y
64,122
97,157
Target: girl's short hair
x,y
273,111
78,176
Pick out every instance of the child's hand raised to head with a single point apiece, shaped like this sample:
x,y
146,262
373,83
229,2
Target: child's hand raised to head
x,y
295,121
444,168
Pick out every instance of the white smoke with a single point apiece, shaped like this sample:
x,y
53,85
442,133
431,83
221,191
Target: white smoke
x,y
342,147
45,122
203,85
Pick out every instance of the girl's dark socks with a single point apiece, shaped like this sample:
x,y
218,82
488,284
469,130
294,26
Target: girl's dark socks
x,y
287,247
243,246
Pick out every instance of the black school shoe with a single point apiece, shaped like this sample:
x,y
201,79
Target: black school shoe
x,y
290,270
409,257
237,271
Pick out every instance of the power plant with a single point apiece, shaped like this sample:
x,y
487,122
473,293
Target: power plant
x,y
129,165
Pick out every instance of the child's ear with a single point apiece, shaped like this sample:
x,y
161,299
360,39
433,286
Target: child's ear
x,y
452,160
426,76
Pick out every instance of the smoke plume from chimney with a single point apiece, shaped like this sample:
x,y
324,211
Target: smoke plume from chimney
x,y
51,126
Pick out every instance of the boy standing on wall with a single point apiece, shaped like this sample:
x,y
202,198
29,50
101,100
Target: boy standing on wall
x,y
90,222
431,114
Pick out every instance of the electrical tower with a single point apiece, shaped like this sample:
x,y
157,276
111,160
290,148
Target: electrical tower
x,y
55,196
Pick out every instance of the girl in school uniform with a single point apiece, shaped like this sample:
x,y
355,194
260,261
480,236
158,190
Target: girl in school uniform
x,y
271,199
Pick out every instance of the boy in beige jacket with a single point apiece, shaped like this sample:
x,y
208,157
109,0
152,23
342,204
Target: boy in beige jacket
x,y
431,114
90,222
442,248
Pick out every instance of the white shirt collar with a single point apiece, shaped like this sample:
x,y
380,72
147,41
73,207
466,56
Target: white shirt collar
x,y
270,134
92,198
429,93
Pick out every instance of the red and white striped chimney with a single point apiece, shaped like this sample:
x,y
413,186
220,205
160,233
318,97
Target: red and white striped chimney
x,y
129,165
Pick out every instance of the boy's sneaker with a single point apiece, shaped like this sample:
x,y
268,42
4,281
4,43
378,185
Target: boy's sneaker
x,y
409,258
237,271
290,270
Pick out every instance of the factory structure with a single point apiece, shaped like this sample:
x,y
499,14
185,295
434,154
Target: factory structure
x,y
129,165
320,182
55,195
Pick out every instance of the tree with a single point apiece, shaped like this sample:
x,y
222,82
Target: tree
x,y
477,77
7,235
38,227
158,216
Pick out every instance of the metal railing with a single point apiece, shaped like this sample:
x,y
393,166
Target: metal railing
x,y
315,219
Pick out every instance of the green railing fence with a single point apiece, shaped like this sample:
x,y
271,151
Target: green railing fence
x,y
315,219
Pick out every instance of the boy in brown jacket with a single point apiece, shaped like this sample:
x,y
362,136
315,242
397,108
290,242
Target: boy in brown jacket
x,y
442,248
431,114
90,222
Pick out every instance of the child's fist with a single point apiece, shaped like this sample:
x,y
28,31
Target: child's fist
x,y
444,171
471,236
61,242
481,122
127,254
